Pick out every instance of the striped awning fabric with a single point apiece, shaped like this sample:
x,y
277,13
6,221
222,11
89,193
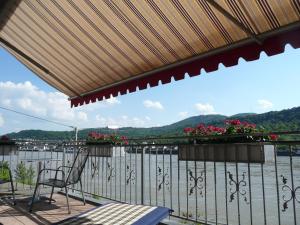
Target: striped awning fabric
x,y
120,214
91,49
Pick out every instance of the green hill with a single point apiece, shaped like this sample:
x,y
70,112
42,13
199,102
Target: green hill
x,y
284,120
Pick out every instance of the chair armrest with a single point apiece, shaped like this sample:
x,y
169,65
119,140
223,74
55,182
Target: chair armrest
x,y
70,167
46,169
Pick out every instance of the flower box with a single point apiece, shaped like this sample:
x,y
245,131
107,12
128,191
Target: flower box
x,y
236,142
106,145
105,150
241,153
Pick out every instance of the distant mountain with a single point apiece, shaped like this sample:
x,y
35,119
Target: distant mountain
x,y
288,119
240,115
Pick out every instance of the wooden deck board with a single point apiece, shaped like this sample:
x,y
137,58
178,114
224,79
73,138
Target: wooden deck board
x,y
43,212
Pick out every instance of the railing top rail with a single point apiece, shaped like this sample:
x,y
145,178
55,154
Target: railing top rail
x,y
216,136
175,137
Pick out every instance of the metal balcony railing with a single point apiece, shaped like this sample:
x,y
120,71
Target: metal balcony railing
x,y
202,190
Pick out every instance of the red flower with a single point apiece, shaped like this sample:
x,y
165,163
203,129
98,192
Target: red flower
x,y
232,127
220,130
248,125
273,137
93,135
201,126
235,122
188,130
111,138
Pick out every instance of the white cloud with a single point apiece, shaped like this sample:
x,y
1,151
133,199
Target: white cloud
x,y
27,98
112,101
106,103
6,102
28,105
124,117
24,103
100,119
205,109
265,104
183,114
1,120
82,116
147,118
153,104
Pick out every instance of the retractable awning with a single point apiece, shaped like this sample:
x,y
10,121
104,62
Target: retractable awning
x,y
91,49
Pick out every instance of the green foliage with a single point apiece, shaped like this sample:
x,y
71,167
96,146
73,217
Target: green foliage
x,y
21,174
96,197
272,121
24,175
30,175
4,165
4,171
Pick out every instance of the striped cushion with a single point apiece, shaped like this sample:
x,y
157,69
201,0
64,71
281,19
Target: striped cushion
x,y
117,213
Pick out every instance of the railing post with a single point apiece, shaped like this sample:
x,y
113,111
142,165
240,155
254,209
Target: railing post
x,y
64,159
142,176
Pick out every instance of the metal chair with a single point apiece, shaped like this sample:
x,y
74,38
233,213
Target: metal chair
x,y
73,177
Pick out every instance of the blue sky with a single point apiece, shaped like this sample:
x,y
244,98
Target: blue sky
x,y
271,83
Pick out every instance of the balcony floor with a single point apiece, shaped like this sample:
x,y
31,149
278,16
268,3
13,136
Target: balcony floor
x,y
43,212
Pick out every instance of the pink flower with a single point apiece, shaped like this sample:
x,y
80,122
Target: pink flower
x,y
111,138
235,122
201,126
273,137
93,135
220,130
188,130
248,125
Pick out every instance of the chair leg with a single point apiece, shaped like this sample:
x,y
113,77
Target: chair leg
x,y
33,197
81,191
67,196
50,199
12,188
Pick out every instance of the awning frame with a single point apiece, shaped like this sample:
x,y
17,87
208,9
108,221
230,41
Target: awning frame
x,y
249,43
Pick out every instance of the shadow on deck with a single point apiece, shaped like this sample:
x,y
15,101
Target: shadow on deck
x,y
43,212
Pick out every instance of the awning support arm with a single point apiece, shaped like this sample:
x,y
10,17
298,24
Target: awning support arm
x,y
35,63
234,20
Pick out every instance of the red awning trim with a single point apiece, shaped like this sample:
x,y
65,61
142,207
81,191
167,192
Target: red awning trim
x,y
271,46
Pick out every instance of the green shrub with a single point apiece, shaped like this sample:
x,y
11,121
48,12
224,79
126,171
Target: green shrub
x,y
4,171
30,175
24,175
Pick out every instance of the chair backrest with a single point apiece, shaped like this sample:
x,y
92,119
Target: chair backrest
x,y
78,166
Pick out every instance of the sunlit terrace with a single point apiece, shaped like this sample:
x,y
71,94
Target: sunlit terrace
x,y
96,51
203,183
